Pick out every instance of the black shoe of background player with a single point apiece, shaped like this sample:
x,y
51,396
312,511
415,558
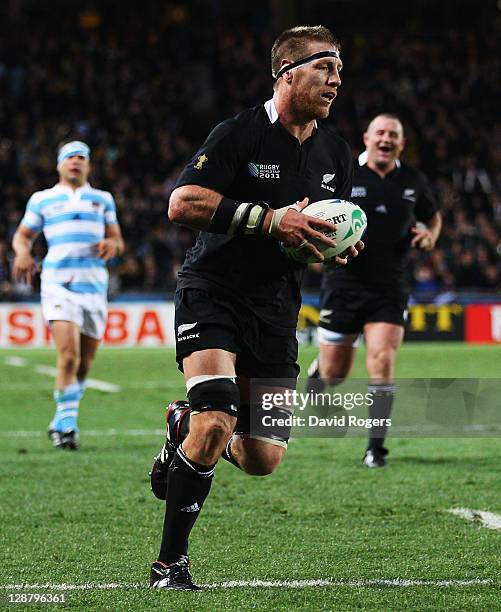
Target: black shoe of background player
x,y
177,424
314,384
70,440
55,437
175,576
375,457
67,439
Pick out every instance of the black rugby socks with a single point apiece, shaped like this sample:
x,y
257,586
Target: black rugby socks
x,y
188,486
314,383
382,395
229,456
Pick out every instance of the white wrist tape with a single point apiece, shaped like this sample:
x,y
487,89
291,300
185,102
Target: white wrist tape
x,y
278,215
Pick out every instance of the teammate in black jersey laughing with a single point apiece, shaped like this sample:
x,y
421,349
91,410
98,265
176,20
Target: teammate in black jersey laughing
x,y
370,295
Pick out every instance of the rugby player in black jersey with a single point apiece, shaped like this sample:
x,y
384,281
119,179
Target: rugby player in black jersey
x,y
238,295
370,295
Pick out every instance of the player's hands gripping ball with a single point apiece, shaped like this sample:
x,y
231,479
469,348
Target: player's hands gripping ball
x,y
331,230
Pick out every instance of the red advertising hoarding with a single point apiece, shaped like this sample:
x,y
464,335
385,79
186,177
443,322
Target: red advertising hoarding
x,y
483,323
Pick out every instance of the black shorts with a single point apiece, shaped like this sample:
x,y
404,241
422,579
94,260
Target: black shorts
x,y
346,311
205,320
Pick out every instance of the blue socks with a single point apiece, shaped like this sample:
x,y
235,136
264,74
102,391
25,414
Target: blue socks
x,y
67,402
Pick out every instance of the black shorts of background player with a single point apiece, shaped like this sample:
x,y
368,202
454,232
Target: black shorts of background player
x,y
238,296
370,296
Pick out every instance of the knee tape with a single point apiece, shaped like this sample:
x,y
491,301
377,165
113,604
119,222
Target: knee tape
x,y
273,426
207,393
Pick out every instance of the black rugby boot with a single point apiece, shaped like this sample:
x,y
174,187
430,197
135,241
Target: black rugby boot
x,y
375,457
177,424
175,576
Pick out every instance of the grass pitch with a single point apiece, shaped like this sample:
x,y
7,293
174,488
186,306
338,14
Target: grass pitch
x,y
89,519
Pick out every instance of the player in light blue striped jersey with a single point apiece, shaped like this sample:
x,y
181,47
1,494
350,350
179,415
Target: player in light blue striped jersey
x,y
82,232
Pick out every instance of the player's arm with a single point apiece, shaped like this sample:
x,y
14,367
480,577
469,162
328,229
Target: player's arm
x,y
427,212
24,265
205,209
112,244
426,234
199,199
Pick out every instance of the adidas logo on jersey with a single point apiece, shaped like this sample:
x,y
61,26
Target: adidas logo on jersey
x,y
381,209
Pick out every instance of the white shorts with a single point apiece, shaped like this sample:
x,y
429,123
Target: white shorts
x,y
87,310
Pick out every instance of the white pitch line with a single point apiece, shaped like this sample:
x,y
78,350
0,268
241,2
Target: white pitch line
x,y
17,362
264,584
93,383
90,432
153,385
486,519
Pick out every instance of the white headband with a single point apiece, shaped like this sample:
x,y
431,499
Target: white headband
x,y
76,147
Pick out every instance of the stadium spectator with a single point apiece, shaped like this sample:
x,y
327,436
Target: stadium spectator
x,y
150,114
82,231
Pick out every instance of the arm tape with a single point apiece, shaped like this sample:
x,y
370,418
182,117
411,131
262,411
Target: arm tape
x,y
237,218
221,221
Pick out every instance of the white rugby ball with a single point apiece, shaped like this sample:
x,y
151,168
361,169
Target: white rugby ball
x,y
350,221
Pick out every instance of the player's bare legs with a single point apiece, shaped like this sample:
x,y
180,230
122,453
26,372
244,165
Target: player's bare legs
x,y
63,429
335,362
213,399
209,430
88,349
66,336
256,457
383,341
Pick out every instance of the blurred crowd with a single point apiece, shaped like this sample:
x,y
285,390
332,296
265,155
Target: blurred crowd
x,y
144,88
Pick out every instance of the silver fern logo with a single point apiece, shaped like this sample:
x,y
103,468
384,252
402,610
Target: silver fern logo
x,y
328,178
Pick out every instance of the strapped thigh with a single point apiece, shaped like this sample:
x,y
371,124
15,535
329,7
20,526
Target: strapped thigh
x,y
213,392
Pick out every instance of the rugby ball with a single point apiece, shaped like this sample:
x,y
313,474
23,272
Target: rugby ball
x,y
350,221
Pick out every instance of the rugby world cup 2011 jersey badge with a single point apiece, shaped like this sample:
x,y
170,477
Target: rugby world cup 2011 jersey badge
x,y
328,181
264,171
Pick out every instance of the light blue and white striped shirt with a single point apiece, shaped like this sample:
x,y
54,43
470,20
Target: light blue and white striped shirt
x,y
72,222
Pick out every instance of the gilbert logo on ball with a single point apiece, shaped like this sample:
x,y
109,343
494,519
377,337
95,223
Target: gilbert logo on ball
x,y
350,221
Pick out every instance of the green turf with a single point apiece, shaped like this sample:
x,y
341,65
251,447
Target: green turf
x,y
88,517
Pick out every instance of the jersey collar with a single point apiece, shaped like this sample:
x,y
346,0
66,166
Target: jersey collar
x,y
362,159
271,111
69,190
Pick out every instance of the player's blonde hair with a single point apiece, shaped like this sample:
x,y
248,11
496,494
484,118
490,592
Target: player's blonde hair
x,y
386,116
293,43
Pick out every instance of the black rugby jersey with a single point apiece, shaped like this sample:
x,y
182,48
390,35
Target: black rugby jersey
x,y
392,204
249,158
